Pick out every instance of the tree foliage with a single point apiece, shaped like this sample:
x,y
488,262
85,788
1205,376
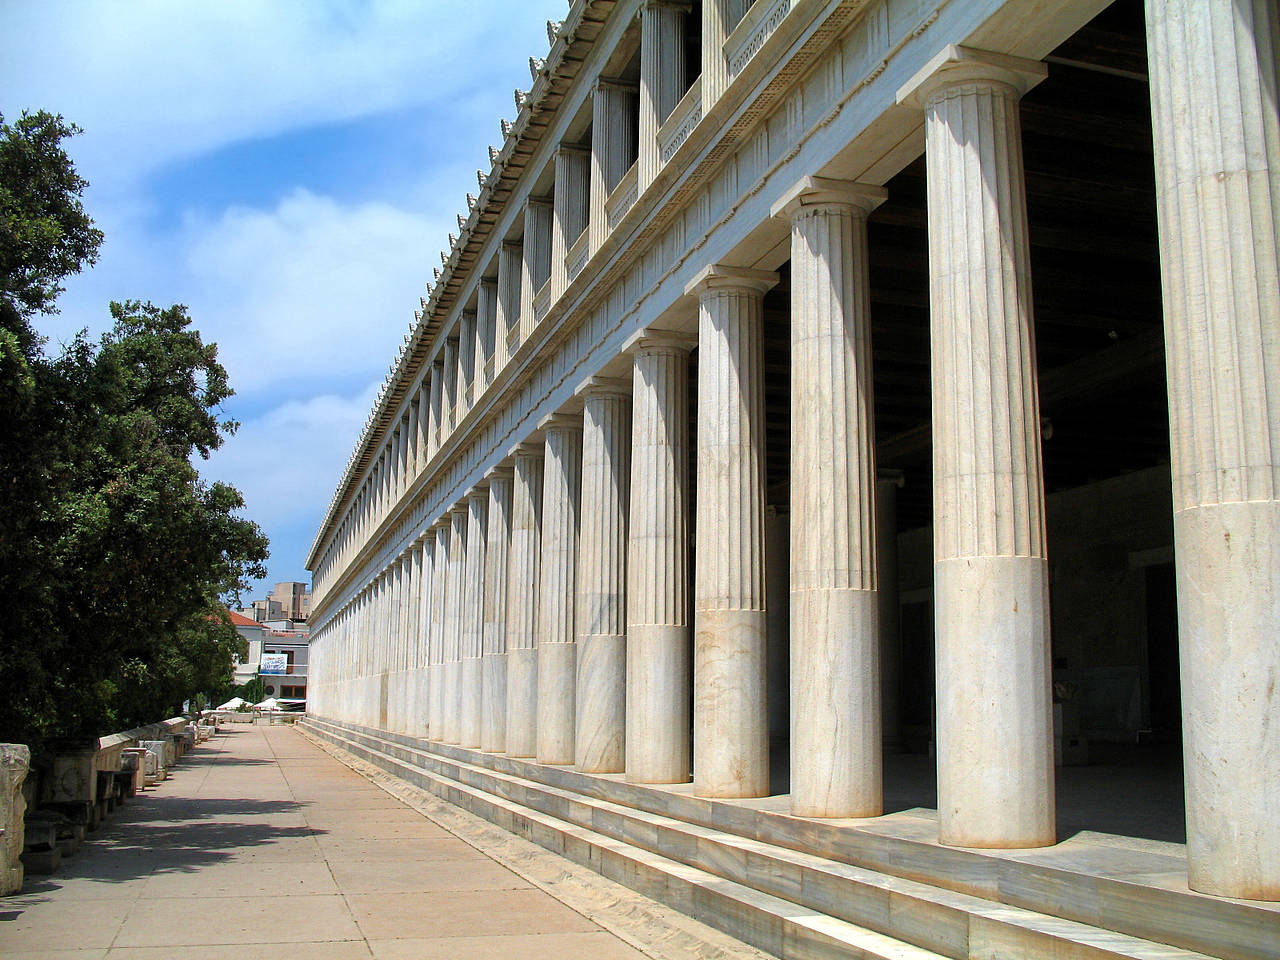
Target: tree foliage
x,y
115,556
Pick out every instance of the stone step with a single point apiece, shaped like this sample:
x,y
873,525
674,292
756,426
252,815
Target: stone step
x,y
770,923
948,922
1148,900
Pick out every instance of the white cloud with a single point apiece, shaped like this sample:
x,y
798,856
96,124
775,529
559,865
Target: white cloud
x,y
152,81
308,289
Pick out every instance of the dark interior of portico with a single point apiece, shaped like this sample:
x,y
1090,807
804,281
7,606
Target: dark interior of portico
x,y
1098,325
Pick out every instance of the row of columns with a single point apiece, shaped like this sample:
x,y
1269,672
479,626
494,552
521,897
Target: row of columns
x,y
579,582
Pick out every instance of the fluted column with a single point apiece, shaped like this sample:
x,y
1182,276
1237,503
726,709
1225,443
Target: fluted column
x,y
601,614
472,633
486,324
493,727
658,667
454,606
561,488
422,420
466,363
730,723
435,409
439,622
523,589
662,76
510,269
719,17
452,390
836,765
1216,124
570,206
419,725
536,267
991,596
613,145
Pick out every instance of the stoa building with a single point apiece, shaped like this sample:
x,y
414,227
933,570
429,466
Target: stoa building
x,y
833,483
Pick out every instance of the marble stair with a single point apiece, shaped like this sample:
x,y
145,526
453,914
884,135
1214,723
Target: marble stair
x,y
801,888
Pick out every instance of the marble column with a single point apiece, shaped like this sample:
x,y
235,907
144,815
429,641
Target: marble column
x,y
890,638
493,728
730,718
472,631
487,322
452,391
613,147
991,588
536,266
436,409
420,723
836,764
510,270
662,76
569,209
601,689
719,17
423,419
658,667
466,363
1216,124
523,589
454,607
561,488
439,621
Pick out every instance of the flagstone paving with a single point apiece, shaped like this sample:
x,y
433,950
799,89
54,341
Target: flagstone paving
x,y
262,839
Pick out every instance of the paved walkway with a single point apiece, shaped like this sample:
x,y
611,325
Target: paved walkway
x,y
262,839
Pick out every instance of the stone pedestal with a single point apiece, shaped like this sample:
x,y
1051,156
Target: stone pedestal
x,y
600,733
836,765
523,591
1216,124
995,732
730,712
561,487
15,763
658,667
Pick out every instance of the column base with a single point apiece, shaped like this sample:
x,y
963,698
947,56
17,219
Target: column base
x,y
600,727
658,731
995,717
730,715
836,758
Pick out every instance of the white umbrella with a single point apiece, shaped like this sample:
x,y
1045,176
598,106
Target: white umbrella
x,y
233,704
268,704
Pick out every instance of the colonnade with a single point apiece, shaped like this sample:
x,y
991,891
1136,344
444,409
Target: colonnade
x,y
547,614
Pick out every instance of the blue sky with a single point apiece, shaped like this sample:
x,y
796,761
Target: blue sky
x,y
289,169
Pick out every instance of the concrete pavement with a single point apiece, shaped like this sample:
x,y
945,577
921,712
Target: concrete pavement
x,y
261,838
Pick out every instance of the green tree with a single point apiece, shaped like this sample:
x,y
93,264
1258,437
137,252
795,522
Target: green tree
x,y
115,557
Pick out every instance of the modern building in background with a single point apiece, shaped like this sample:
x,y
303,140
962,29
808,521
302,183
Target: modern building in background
x,y
827,415
277,653
289,601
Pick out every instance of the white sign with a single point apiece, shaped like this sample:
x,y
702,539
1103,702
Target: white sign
x,y
274,663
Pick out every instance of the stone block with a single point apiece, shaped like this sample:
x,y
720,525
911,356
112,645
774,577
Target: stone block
x,y
72,778
15,762
42,861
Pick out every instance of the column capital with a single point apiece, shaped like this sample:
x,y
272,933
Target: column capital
x,y
427,533
530,447
513,245
536,202
684,6
459,510
581,149
604,387
616,83
499,472
656,338
810,192
479,491
721,277
954,65
561,421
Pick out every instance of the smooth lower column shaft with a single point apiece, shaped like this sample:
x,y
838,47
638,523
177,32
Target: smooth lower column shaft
x,y
456,597
439,619
601,686
1216,124
836,759
658,663
493,726
523,590
471,703
730,720
557,663
991,587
